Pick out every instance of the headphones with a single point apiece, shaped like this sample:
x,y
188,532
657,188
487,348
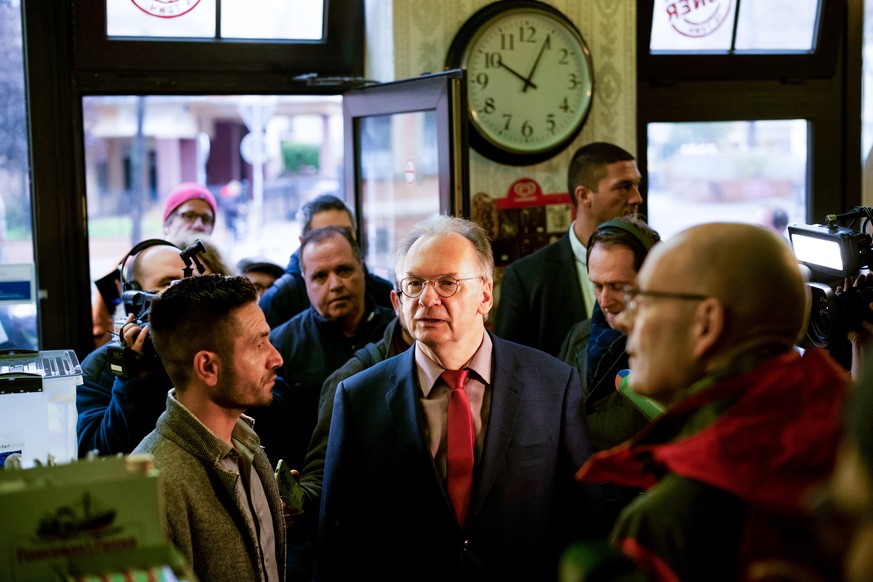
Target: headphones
x,y
648,240
124,274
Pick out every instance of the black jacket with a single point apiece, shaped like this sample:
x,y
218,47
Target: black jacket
x,y
540,298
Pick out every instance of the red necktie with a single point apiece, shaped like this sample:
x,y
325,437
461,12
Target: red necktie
x,y
459,444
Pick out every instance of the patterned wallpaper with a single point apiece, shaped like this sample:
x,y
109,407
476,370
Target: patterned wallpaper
x,y
424,29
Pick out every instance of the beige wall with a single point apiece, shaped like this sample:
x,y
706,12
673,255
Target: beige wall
x,y
424,29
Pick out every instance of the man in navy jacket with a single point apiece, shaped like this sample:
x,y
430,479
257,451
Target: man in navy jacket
x,y
385,507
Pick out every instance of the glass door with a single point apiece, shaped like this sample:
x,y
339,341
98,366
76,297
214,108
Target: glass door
x,y
406,159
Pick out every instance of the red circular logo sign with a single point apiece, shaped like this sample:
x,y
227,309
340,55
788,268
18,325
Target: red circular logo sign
x,y
697,17
166,8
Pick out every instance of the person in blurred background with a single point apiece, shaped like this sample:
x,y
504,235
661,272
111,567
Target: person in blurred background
x,y
189,211
262,272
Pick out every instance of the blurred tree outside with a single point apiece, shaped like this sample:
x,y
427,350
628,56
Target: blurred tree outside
x,y
14,190
300,158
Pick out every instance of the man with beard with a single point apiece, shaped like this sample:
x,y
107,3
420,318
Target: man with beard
x,y
222,508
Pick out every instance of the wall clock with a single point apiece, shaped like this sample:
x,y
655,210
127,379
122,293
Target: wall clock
x,y
530,80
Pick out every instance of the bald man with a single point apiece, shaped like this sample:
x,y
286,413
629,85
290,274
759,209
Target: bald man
x,y
751,426
115,413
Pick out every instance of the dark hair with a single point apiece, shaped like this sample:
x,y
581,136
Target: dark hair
x,y
627,231
328,232
320,204
195,314
779,218
589,163
258,265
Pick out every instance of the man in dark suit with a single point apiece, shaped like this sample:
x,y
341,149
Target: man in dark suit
x,y
544,294
397,503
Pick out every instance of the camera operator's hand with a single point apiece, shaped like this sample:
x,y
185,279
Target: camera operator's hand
x,y
134,336
859,338
138,357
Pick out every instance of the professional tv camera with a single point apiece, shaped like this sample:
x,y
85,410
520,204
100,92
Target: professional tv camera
x,y
124,361
832,253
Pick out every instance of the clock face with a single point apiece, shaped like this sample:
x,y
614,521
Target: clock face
x,y
529,82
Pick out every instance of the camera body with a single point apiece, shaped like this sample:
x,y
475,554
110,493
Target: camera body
x,y
832,253
123,360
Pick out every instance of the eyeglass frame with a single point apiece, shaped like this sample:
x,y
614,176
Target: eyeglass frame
x,y
207,219
432,284
632,294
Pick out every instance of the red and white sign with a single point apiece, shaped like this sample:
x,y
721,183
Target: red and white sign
x,y
166,8
696,18
409,173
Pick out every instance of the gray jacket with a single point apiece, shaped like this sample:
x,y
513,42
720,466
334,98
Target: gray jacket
x,y
202,510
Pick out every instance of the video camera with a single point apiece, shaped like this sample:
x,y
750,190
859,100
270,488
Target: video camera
x,y
833,252
125,361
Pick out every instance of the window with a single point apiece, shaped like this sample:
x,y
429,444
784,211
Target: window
x,y
237,19
288,37
18,296
208,139
733,39
737,122
75,67
740,171
731,28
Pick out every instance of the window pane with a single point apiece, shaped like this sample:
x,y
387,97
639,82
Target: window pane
x,y
260,156
777,25
867,107
18,327
688,25
161,18
738,171
769,25
399,181
272,19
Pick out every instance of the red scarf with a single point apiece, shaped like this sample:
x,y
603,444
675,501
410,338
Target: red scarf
x,y
776,440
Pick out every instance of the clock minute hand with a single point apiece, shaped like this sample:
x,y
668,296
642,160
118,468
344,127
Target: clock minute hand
x,y
517,74
527,82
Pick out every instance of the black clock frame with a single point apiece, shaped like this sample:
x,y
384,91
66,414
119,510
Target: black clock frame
x,y
454,60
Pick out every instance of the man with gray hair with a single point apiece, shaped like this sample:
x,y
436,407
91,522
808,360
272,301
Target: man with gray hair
x,y
412,486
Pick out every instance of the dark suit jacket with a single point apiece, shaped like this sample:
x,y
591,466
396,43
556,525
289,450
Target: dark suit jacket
x,y
385,512
540,298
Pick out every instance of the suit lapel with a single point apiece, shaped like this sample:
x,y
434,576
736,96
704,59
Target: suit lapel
x,y
505,406
402,400
575,298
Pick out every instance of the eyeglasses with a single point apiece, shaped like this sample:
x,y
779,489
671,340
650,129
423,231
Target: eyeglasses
x,y
191,217
444,285
632,297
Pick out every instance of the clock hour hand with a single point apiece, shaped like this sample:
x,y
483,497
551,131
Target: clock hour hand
x,y
527,82
517,74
